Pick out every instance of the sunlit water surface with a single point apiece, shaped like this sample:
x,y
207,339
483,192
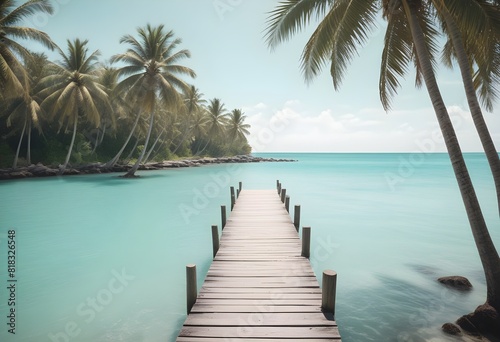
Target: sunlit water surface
x,y
101,258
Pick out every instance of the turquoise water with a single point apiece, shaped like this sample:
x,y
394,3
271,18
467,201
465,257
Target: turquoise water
x,y
100,258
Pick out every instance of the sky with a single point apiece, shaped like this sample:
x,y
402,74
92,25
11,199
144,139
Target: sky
x,y
232,61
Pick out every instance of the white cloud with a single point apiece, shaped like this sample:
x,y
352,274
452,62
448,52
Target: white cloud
x,y
291,129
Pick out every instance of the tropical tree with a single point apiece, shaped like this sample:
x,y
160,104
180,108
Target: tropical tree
x,y
474,40
25,108
237,128
217,120
199,129
72,91
13,77
152,74
410,37
193,104
107,77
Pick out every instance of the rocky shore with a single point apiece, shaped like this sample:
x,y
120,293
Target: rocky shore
x,y
40,170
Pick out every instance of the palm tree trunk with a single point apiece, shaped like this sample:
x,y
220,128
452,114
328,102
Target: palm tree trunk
x,y
70,146
115,159
132,150
28,152
487,251
14,165
153,146
131,172
95,142
475,108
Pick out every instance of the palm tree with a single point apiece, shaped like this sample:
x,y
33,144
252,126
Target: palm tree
x,y
73,91
13,77
217,121
107,76
198,129
193,104
482,39
410,37
152,74
25,108
237,128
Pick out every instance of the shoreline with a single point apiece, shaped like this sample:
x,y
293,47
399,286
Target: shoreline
x,y
41,170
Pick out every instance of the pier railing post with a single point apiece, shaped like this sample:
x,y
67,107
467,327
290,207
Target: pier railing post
x,y
287,203
279,188
278,185
240,186
233,199
223,215
283,195
191,287
306,242
296,217
328,291
215,239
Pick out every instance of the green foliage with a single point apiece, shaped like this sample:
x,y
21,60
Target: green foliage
x,y
6,155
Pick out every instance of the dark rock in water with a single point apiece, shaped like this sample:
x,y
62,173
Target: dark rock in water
x,y
486,319
451,329
456,282
465,323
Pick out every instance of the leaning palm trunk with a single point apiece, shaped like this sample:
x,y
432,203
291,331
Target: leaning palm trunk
x,y
28,152
115,159
131,172
146,158
70,146
19,146
477,115
487,251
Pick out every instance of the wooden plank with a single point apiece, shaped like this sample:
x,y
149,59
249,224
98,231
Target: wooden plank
x,y
258,319
204,308
260,332
204,339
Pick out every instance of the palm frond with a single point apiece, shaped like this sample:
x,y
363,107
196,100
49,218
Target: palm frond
x,y
291,16
396,58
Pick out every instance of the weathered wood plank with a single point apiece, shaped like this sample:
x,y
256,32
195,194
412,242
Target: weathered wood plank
x,y
277,319
260,332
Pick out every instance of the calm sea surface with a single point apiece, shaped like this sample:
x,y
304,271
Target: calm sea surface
x,y
100,258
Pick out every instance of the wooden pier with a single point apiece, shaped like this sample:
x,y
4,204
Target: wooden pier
x,y
259,287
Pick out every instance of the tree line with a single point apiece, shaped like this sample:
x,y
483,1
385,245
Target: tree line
x,y
137,107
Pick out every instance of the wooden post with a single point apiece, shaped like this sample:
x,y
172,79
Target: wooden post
x,y
283,195
223,215
233,199
287,203
279,188
237,193
328,291
306,242
191,287
240,186
278,185
215,239
296,217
